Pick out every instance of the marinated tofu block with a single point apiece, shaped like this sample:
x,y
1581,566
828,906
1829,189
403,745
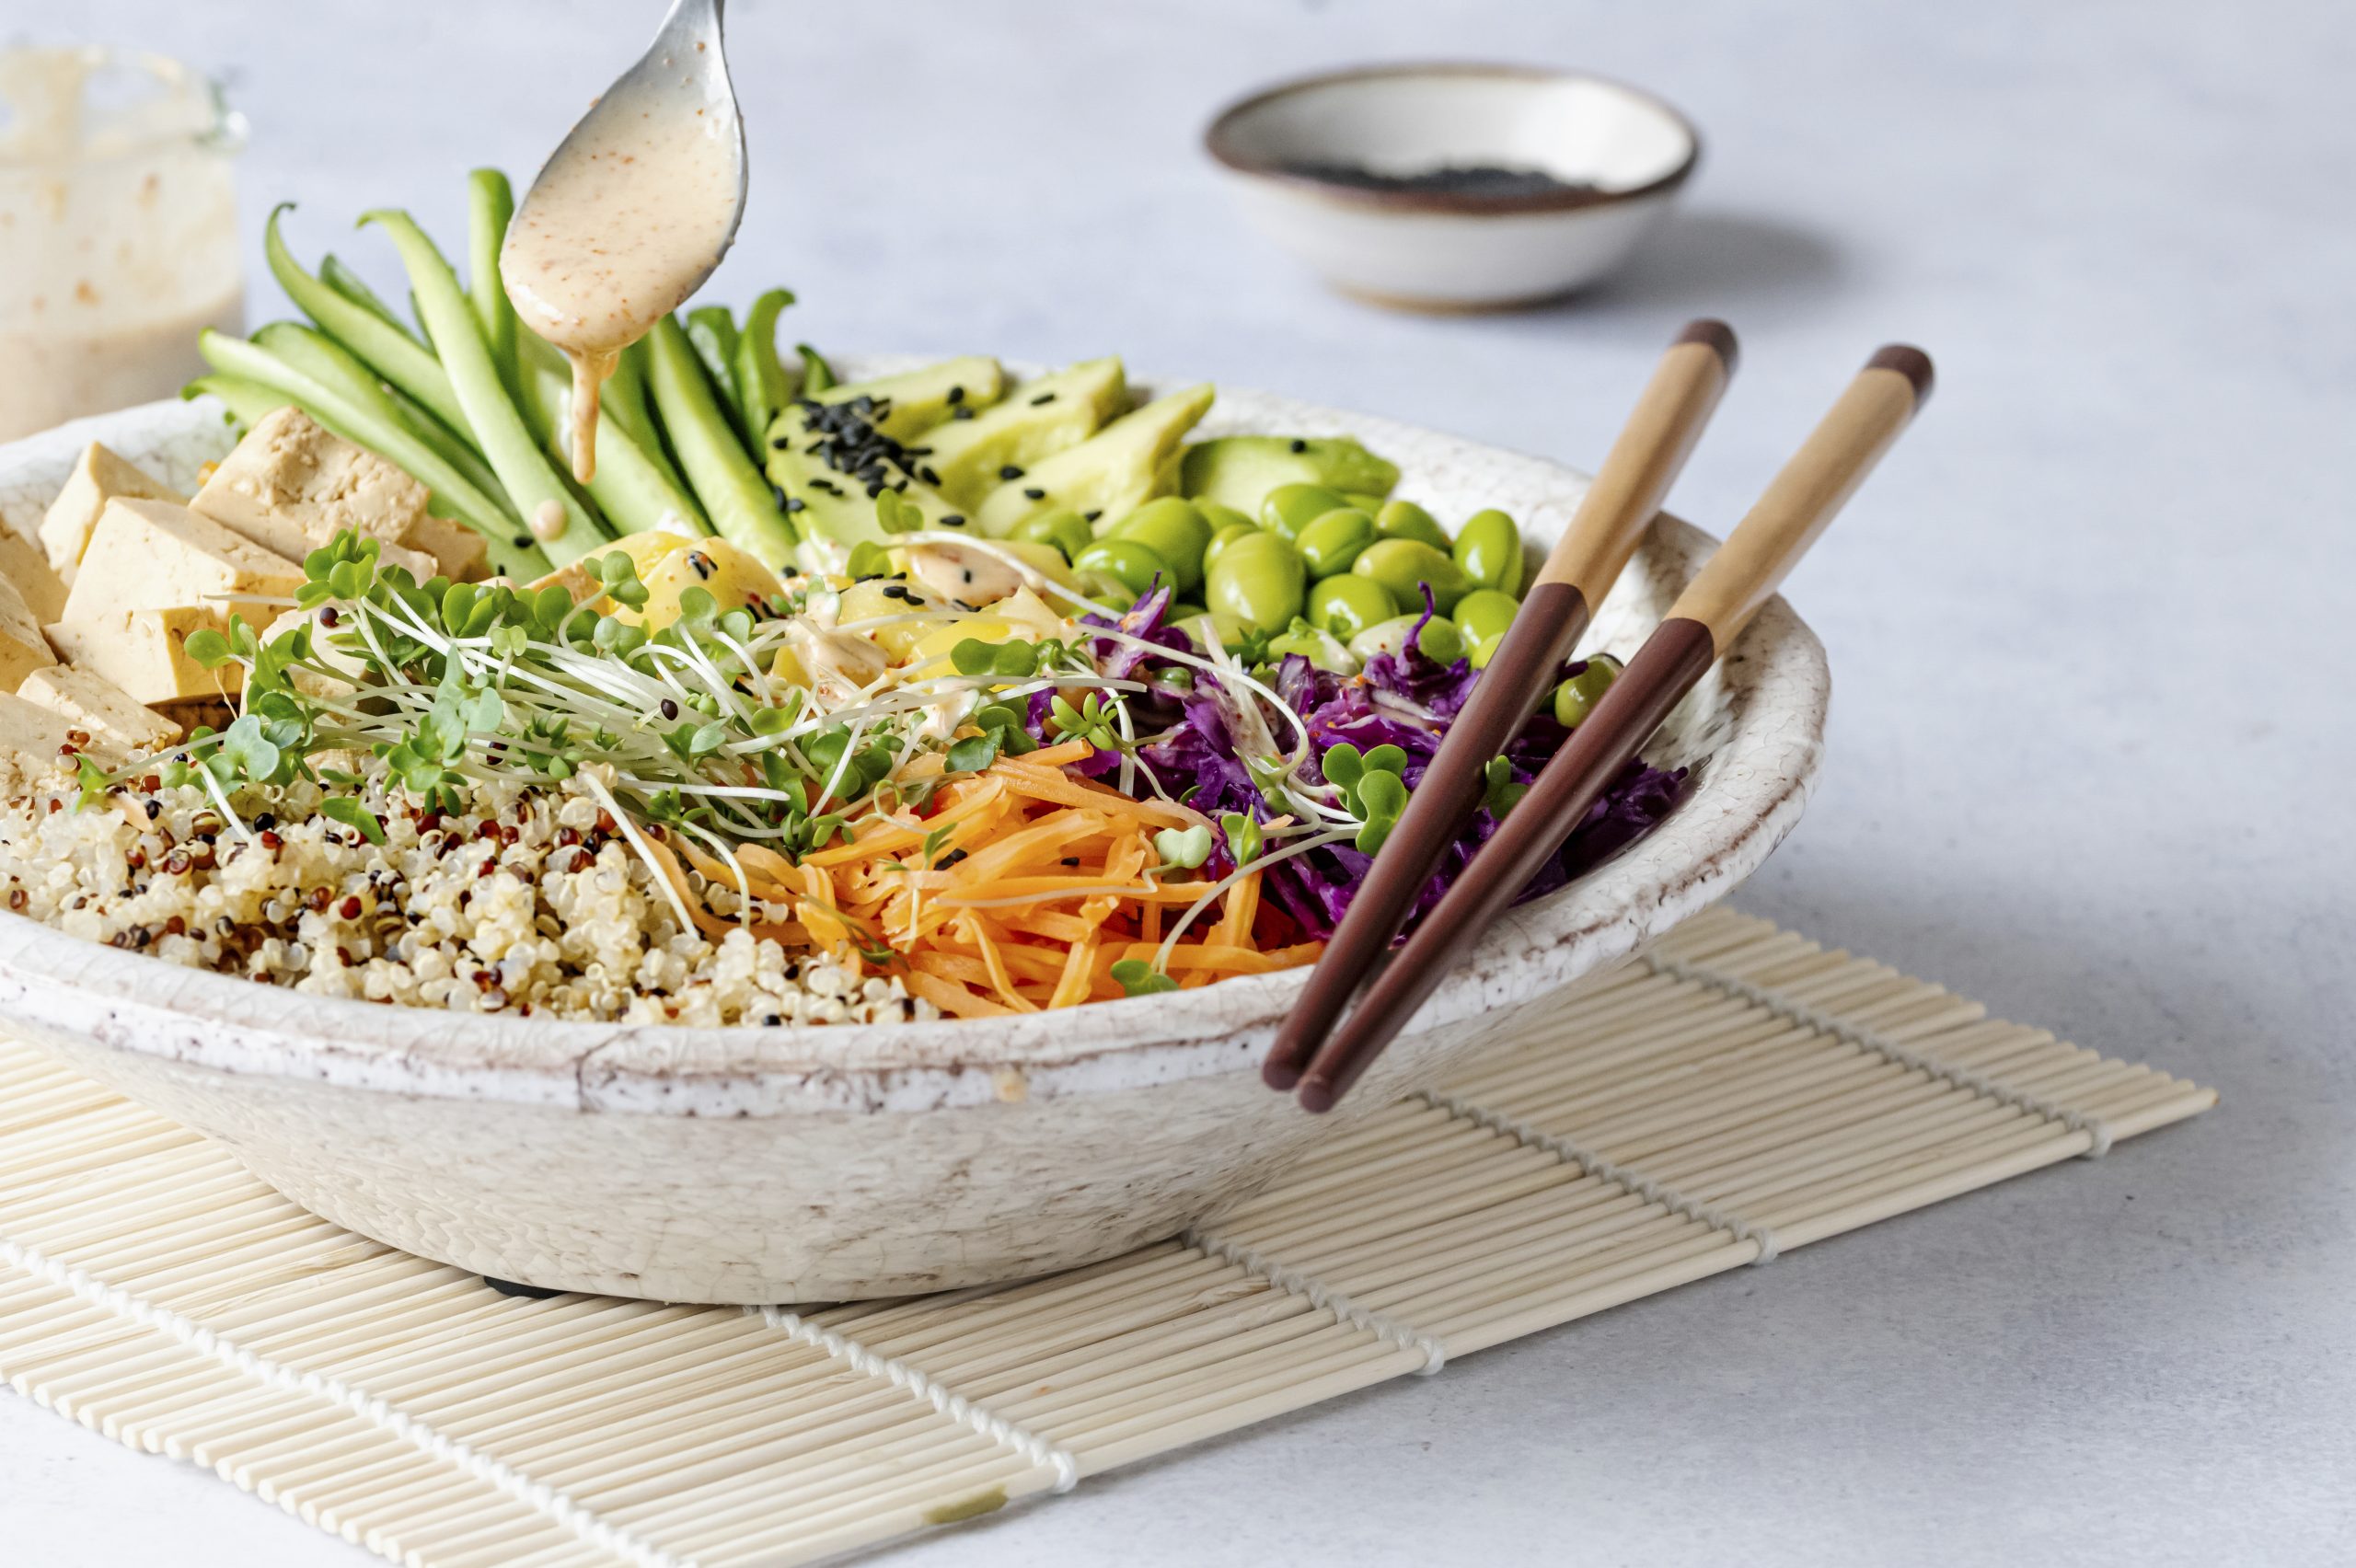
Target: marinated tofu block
x,y
459,553
156,555
22,648
31,737
291,486
100,476
119,725
27,570
145,653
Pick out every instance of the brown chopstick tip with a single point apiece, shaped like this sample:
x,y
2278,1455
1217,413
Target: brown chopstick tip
x,y
1909,361
1718,335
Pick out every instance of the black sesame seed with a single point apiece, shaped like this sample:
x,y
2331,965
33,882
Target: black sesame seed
x,y
523,541
1300,446
794,504
1043,398
930,476
1010,471
957,396
1035,492
961,413
1091,516
954,520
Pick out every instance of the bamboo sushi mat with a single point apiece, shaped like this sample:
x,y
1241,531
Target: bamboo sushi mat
x,y
1737,1093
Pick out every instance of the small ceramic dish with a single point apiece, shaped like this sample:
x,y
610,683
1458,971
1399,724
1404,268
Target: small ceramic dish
x,y
1340,170
799,1164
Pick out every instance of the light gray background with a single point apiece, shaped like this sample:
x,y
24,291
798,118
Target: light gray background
x,y
2090,749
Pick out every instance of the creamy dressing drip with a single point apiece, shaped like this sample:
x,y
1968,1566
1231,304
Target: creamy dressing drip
x,y
627,220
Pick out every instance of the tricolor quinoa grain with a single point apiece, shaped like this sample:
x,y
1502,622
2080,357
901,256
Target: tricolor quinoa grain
x,y
530,903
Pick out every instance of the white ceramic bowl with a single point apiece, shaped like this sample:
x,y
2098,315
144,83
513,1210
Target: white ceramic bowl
x,y
1442,250
753,1165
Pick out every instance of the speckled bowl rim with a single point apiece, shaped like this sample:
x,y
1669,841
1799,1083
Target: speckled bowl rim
x,y
1749,794
1218,141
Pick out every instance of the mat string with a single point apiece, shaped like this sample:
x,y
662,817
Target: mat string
x,y
1650,1188
2098,1131
900,1375
537,1495
1285,1277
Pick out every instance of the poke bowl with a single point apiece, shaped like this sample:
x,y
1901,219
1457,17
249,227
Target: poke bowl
x,y
750,1164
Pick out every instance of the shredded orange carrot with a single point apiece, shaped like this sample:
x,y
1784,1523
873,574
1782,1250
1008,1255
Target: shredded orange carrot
x,y
1020,890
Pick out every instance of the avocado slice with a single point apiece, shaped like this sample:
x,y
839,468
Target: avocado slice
x,y
1036,420
829,502
1109,475
1238,470
920,399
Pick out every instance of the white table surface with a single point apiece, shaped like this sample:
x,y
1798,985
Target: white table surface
x,y
2089,752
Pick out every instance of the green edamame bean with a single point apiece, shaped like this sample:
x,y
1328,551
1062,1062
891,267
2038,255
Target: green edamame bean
x,y
1365,500
1224,537
1290,508
1407,566
1220,515
1489,549
1319,648
1135,565
1059,527
1330,543
1440,641
1172,529
1482,616
1405,520
1255,585
1346,606
1576,696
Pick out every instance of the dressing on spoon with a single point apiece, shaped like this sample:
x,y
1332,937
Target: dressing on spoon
x,y
631,212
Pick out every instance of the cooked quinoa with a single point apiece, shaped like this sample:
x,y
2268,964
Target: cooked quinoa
x,y
530,903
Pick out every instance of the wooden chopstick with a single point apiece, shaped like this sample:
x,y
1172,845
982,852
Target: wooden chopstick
x,y
1643,462
1703,622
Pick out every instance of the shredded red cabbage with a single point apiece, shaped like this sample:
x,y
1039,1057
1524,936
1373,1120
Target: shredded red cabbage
x,y
1403,699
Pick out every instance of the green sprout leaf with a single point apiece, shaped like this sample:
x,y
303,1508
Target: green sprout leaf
x,y
351,814
1184,849
1499,793
973,753
1243,836
1383,797
1138,978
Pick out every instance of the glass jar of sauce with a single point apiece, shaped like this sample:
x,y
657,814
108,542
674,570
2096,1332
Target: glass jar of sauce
x,y
117,230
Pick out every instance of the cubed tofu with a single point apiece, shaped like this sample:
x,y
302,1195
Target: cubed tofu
x,y
32,736
120,726
292,484
100,476
145,653
27,570
22,648
156,555
459,553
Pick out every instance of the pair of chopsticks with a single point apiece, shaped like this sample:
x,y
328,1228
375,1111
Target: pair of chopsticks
x,y
1322,1056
